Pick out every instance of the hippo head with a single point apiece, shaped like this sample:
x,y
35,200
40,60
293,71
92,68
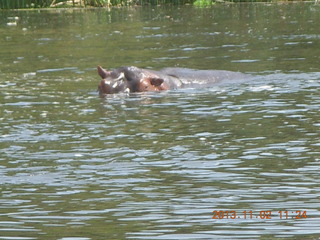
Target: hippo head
x,y
129,79
112,82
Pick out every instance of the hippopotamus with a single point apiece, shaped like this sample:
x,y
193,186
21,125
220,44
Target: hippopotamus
x,y
133,79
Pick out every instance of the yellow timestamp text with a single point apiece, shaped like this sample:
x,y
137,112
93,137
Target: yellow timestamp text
x,y
267,214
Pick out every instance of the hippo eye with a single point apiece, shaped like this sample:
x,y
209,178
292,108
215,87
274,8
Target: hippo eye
x,y
121,77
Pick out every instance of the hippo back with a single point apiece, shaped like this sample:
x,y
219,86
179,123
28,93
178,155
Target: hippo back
x,y
197,78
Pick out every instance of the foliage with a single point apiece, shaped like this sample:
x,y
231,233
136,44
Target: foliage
x,y
14,4
159,2
203,3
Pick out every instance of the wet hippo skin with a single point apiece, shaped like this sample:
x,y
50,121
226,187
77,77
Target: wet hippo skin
x,y
133,79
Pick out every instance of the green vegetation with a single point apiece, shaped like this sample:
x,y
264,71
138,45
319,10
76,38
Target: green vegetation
x,y
14,4
203,3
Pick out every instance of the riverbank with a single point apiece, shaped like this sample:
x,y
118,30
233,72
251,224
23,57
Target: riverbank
x,y
16,4
31,4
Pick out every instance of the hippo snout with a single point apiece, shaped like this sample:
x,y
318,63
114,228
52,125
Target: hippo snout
x,y
112,82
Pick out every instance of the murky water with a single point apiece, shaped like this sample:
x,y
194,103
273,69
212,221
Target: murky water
x,y
157,165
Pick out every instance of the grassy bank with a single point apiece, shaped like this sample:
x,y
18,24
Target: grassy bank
x,y
15,4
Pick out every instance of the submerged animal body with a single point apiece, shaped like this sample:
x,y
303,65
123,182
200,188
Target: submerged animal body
x,y
132,79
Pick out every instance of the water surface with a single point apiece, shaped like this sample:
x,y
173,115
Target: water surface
x,y
156,165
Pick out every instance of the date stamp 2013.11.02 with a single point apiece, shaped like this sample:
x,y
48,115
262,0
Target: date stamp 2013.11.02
x,y
268,214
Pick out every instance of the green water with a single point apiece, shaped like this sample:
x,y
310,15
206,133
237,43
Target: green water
x,y
155,166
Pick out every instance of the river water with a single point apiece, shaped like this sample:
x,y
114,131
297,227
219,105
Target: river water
x,y
238,161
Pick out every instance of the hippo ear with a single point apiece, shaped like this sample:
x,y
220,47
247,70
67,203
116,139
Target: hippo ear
x,y
156,81
102,72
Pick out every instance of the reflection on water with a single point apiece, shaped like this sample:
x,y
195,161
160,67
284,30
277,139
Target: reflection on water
x,y
156,166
